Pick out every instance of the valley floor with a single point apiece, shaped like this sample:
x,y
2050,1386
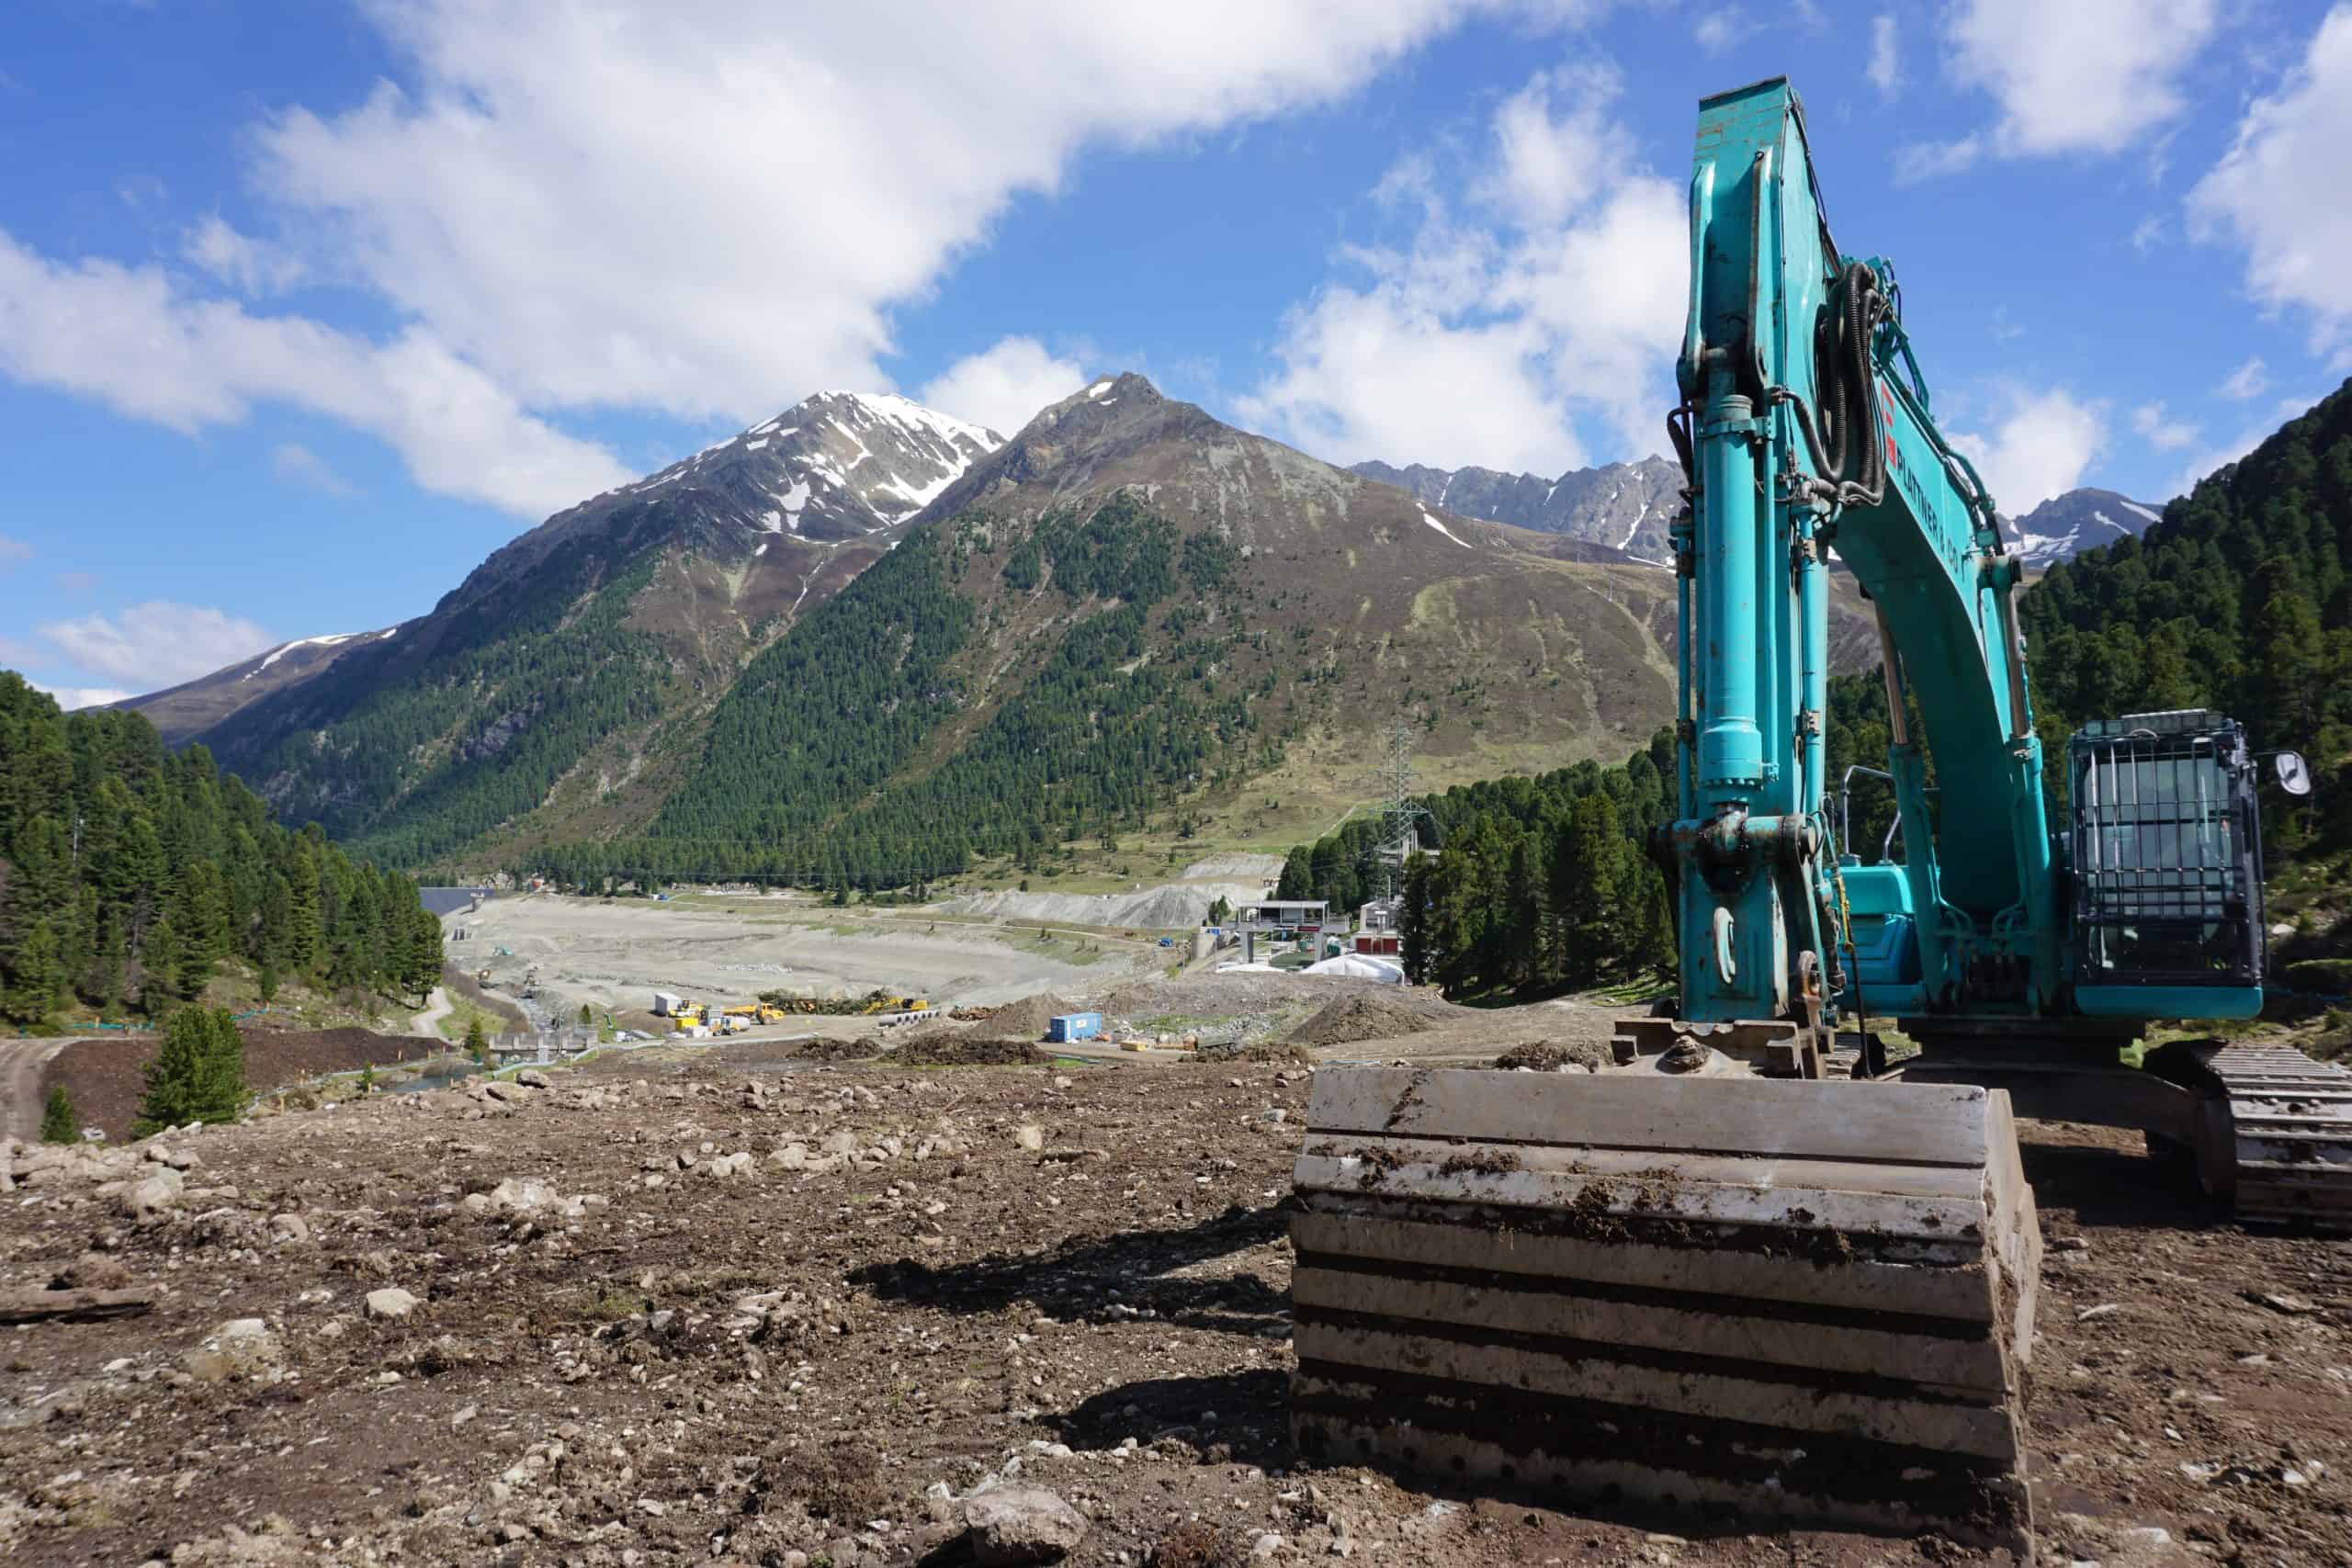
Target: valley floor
x,y
614,955
728,1304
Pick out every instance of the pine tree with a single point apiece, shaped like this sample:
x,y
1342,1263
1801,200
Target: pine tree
x,y
159,966
477,1042
1523,962
57,1122
197,1073
587,1019
1413,922
224,1068
32,977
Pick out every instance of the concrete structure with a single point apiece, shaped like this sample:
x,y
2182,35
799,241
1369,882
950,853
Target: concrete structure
x,y
1307,917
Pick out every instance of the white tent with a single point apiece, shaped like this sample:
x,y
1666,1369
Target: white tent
x,y
1361,966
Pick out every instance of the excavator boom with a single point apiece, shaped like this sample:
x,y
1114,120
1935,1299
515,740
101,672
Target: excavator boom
x,y
1685,1283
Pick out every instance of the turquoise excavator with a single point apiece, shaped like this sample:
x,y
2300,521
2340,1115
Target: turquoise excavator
x,y
1746,1270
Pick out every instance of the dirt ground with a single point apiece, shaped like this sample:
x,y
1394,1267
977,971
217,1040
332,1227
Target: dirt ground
x,y
718,1305
104,1077
615,956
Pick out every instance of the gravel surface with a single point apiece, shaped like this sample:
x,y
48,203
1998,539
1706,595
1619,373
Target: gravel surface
x,y
701,1315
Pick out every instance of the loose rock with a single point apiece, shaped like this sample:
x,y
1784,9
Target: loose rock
x,y
1017,1525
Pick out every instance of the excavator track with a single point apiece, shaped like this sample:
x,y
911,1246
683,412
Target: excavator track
x,y
1804,1301
2291,1125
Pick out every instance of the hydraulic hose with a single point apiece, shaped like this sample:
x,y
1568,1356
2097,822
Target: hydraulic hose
x,y
1847,390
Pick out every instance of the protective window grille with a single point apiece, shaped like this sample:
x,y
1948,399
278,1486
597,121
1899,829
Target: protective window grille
x,y
2164,862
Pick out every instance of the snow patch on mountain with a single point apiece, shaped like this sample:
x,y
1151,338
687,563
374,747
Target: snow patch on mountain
x,y
2065,526
1431,519
331,640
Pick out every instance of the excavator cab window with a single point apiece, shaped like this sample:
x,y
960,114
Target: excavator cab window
x,y
2165,854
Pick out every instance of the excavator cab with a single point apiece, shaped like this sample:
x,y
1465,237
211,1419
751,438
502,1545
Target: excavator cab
x,y
2164,860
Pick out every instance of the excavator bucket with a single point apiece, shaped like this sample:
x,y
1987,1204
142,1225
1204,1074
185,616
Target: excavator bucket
x,y
1803,1302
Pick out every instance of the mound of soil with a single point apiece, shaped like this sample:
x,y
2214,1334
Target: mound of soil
x,y
1352,1018
824,1048
1551,1056
1283,1056
943,1049
105,1079
1027,1017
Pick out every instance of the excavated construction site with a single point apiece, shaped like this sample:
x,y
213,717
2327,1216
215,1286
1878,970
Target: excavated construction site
x,y
765,1303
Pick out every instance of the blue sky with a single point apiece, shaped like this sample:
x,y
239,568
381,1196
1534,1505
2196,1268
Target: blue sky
x,y
305,307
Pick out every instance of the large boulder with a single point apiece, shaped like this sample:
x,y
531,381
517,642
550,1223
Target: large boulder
x,y
391,1302
240,1347
1015,1526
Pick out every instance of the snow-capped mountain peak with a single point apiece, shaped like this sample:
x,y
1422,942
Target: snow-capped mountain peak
x,y
2065,526
834,465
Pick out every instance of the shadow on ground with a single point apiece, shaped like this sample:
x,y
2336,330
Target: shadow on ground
x,y
1086,1277
1245,1415
2120,1187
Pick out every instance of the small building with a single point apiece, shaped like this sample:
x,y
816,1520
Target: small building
x,y
1073,1026
1376,929
1282,919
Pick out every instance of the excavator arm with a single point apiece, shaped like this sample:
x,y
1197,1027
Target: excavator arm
x,y
1807,430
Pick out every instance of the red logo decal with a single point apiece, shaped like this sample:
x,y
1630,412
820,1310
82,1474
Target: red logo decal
x,y
1886,413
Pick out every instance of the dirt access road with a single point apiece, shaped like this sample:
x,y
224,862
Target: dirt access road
x,y
630,1349
21,1062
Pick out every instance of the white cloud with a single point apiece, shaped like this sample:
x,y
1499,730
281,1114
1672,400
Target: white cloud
x,y
1722,28
2160,430
1917,161
1555,147
698,208
2146,232
12,550
247,264
2040,448
1551,303
2081,77
131,339
72,697
1885,70
2248,381
297,465
701,207
1003,386
2271,191
158,643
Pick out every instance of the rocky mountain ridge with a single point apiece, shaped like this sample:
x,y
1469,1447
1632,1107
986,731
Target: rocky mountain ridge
x,y
183,712
1625,506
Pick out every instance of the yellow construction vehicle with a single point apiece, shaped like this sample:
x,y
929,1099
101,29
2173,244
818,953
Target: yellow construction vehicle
x,y
895,1004
757,1012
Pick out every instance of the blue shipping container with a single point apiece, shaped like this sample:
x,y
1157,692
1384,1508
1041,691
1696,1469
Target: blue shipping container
x,y
1072,1026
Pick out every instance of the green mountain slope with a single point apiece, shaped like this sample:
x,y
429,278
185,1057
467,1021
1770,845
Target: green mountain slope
x,y
555,692
2241,599
1113,624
